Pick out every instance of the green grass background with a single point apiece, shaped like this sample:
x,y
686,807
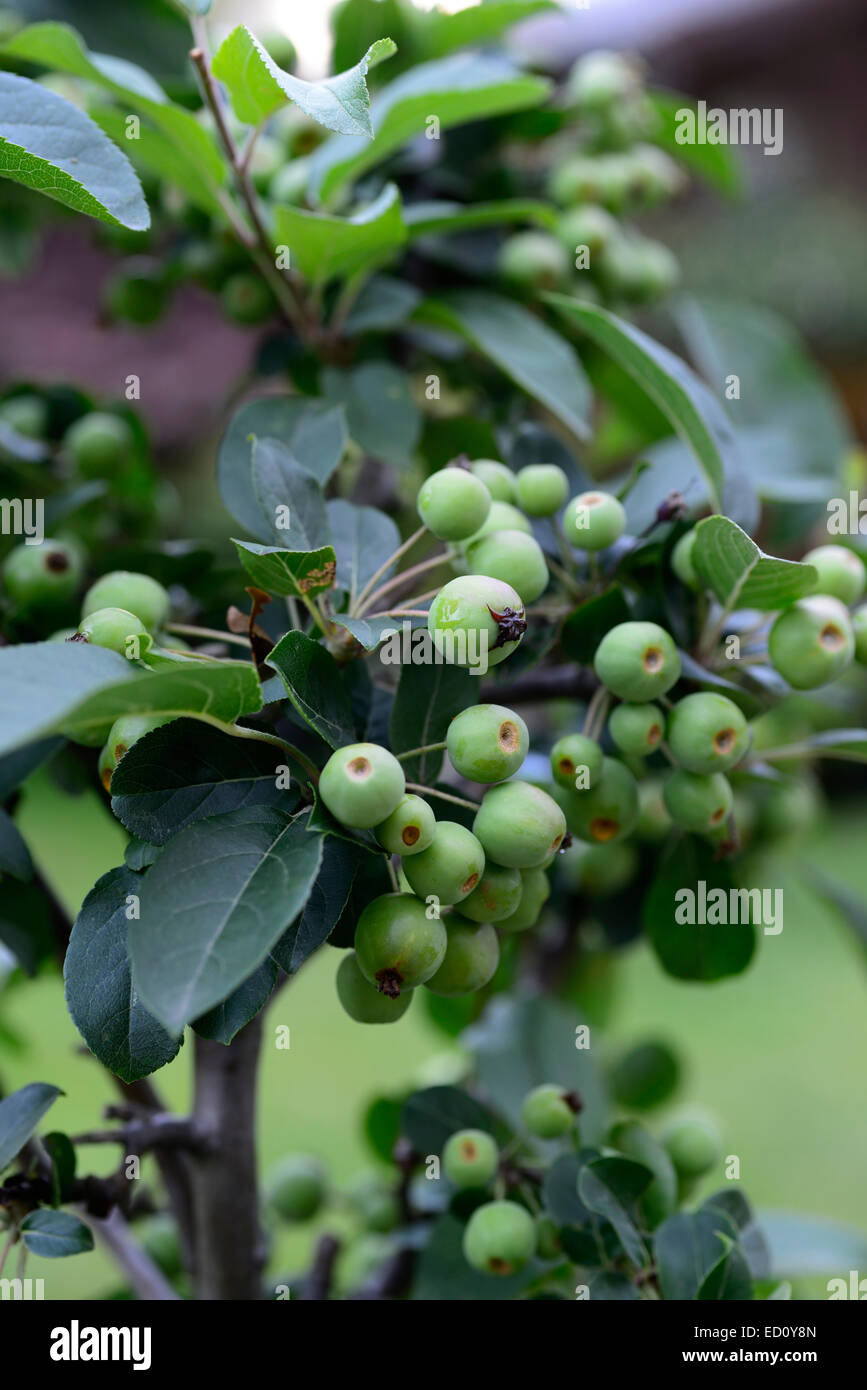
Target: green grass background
x,y
779,1053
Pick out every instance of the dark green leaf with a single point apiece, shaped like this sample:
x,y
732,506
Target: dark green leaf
x,y
290,498
802,1244
312,679
20,1113
368,631
584,629
324,247
383,303
381,415
47,144
535,357
61,1151
214,905
364,538
750,1235
687,1247
729,1278
427,700
660,1198
444,1274
697,950
55,1234
25,925
313,431
258,87
299,573
186,772
224,1020
610,1286
99,992
328,898
694,413
740,574
611,1187
439,216
14,854
431,1116
719,165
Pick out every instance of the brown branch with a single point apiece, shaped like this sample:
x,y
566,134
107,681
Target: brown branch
x,y
576,683
317,1285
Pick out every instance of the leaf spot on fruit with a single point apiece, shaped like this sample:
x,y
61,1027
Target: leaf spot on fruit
x,y
56,561
652,660
470,883
831,638
358,769
654,734
509,738
604,828
410,834
724,741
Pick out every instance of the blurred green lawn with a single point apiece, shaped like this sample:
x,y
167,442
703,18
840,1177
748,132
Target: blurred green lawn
x,y
779,1053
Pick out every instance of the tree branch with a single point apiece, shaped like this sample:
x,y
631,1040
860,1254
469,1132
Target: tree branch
x,y
146,1278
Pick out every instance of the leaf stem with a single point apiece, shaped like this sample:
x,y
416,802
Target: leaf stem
x,y
386,565
425,748
444,796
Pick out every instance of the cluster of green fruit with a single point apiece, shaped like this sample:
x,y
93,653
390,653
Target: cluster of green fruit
x,y
618,170
96,445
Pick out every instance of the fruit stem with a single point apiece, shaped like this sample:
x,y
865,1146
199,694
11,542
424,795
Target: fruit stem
x,y
392,874
444,796
425,748
386,565
571,585
398,579
190,630
596,711
399,613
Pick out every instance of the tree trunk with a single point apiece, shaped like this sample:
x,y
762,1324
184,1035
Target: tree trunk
x,y
229,1245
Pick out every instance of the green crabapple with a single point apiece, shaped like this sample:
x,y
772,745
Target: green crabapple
x,y
99,443
586,225
594,520
859,628
637,661
503,516
453,503
363,1001
472,955
519,825
694,1144
137,593
495,896
449,868
296,1187
841,572
487,743
124,732
515,558
497,478
707,733
410,827
475,620
500,1238
113,628
535,891
812,642
609,810
637,729
574,756
533,260
548,1112
470,1158
701,802
681,561
40,576
27,415
361,784
397,946
542,489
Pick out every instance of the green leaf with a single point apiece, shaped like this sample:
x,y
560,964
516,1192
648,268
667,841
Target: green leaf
x,y
383,303
299,573
368,631
801,1244
535,357
468,87
430,1117
729,1279
99,992
312,679
287,493
214,904
850,905
427,701
258,87
25,925
14,854
313,431
328,897
364,538
224,1020
687,1247
611,1287
55,1234
61,48
48,145
438,216
477,24
751,1239
584,629
611,1187
186,771
694,413
740,574
719,165
81,688
699,950
20,1113
61,1151
381,414
166,155
16,767
324,247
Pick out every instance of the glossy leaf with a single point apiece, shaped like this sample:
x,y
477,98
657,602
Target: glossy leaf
x,y
290,498
324,247
312,681
431,1116
55,1234
427,700
381,414
295,573
611,1187
740,574
698,950
328,898
14,854
20,1113
364,538
222,1022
